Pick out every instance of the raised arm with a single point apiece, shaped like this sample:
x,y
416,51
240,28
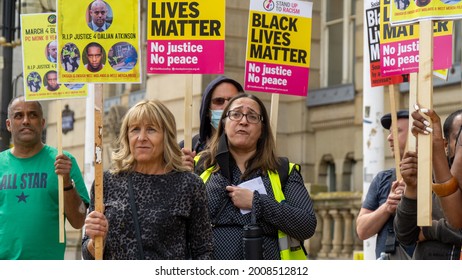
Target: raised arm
x,y
446,180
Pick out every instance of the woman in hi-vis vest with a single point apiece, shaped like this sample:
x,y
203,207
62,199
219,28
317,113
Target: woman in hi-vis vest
x,y
253,216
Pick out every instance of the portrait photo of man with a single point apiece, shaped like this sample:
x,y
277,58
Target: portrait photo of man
x,y
51,51
51,80
94,53
100,16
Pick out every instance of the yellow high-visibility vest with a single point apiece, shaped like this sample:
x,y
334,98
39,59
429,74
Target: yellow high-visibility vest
x,y
289,248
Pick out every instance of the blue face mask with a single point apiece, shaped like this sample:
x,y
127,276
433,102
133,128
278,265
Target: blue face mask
x,y
215,117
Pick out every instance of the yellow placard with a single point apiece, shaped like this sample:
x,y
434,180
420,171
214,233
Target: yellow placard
x,y
185,20
395,33
99,41
40,54
279,38
412,11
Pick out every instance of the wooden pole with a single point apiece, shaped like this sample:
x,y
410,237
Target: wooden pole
x,y
274,114
411,139
59,132
394,129
99,246
424,142
188,94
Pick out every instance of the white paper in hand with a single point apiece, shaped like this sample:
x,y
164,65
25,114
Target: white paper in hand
x,y
253,185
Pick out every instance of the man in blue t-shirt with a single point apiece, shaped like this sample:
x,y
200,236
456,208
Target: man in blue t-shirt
x,y
379,206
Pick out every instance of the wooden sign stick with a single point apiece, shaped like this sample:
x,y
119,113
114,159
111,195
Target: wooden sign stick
x,y
394,129
59,128
99,246
411,139
424,97
188,94
274,114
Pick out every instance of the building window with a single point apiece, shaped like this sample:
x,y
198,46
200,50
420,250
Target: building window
x,y
327,173
331,180
337,41
347,175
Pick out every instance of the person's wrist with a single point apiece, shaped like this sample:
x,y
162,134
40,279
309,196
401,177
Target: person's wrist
x,y
410,192
447,188
70,187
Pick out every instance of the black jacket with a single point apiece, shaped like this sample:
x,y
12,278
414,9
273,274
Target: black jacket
x,y
442,242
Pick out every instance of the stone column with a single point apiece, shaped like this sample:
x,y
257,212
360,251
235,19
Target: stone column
x,y
338,234
348,233
326,242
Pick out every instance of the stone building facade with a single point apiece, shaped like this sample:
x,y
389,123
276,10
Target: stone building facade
x,y
323,132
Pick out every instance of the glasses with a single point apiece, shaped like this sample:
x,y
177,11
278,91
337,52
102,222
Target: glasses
x,y
251,117
220,100
99,12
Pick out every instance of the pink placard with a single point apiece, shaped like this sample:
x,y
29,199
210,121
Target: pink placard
x,y
185,57
402,57
276,78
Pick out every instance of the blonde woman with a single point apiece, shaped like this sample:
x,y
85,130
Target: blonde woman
x,y
154,207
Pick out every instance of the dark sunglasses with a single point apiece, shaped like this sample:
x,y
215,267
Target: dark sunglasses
x,y
220,100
